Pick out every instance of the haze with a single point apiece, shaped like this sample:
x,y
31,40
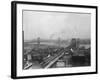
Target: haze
x,y
52,25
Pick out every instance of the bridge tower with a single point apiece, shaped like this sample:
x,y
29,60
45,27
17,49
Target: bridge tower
x,y
59,42
38,42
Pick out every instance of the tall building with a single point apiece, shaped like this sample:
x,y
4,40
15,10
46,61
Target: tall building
x,y
74,43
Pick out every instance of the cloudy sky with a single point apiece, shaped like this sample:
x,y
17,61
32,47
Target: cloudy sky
x,y
52,25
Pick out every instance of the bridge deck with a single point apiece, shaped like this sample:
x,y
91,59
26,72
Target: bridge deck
x,y
53,61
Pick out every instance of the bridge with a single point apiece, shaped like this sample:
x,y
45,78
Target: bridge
x,y
52,60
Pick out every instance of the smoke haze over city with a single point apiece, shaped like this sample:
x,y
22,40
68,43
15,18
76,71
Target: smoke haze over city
x,y
52,25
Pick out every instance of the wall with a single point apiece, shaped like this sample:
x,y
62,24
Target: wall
x,y
5,40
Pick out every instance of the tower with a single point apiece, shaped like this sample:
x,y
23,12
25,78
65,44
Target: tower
x,y
38,42
59,41
74,43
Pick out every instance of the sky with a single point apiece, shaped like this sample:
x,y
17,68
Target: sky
x,y
54,25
